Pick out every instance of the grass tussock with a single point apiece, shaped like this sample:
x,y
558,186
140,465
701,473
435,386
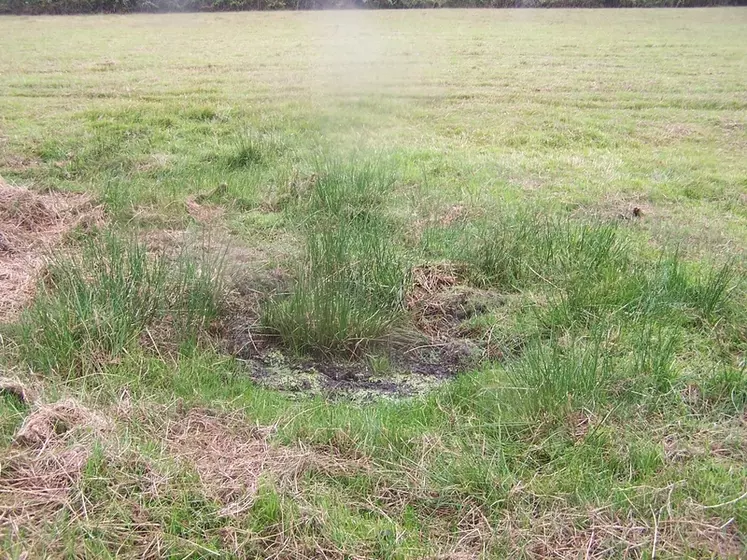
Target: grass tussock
x,y
353,192
94,306
552,381
349,290
351,283
588,270
517,248
337,190
251,149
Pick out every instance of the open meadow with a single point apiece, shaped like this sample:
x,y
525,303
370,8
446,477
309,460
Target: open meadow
x,y
398,284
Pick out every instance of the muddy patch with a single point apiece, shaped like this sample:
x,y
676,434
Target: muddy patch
x,y
430,349
358,381
31,225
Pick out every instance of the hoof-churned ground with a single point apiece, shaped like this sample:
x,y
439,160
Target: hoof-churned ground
x,y
454,284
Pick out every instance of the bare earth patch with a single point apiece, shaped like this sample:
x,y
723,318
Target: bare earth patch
x,y
31,225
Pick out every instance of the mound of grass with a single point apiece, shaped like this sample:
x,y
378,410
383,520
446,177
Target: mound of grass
x,y
93,307
349,290
249,150
350,285
587,270
551,381
520,247
351,191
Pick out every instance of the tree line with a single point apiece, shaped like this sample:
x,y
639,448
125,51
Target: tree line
x,y
128,6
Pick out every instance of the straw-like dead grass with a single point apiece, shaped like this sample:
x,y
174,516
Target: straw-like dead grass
x,y
567,533
54,423
39,472
231,456
32,224
228,456
24,392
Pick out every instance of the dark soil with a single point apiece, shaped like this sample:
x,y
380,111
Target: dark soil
x,y
410,361
406,375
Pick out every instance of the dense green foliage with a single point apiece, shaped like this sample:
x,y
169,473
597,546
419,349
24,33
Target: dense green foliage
x,y
125,6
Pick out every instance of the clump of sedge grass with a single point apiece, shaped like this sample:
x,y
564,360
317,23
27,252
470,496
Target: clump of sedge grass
x,y
339,191
94,306
350,191
350,289
249,150
588,270
518,248
351,283
552,380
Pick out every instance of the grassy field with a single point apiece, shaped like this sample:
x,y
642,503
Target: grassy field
x,y
418,284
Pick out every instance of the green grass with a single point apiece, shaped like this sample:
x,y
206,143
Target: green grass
x,y
514,249
340,154
350,284
95,307
349,290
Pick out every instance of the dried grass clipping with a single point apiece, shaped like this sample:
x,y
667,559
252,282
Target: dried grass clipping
x,y
13,386
31,224
430,298
53,423
44,464
228,455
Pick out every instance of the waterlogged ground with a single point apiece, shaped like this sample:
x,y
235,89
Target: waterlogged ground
x,y
408,284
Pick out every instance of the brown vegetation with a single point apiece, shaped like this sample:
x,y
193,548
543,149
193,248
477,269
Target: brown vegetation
x,y
31,225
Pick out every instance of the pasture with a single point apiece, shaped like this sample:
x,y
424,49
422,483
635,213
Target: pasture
x,y
393,284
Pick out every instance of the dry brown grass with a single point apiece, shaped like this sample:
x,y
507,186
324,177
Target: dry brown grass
x,y
228,455
24,392
566,533
56,422
31,225
35,485
440,303
202,212
231,456
42,470
426,298
39,472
